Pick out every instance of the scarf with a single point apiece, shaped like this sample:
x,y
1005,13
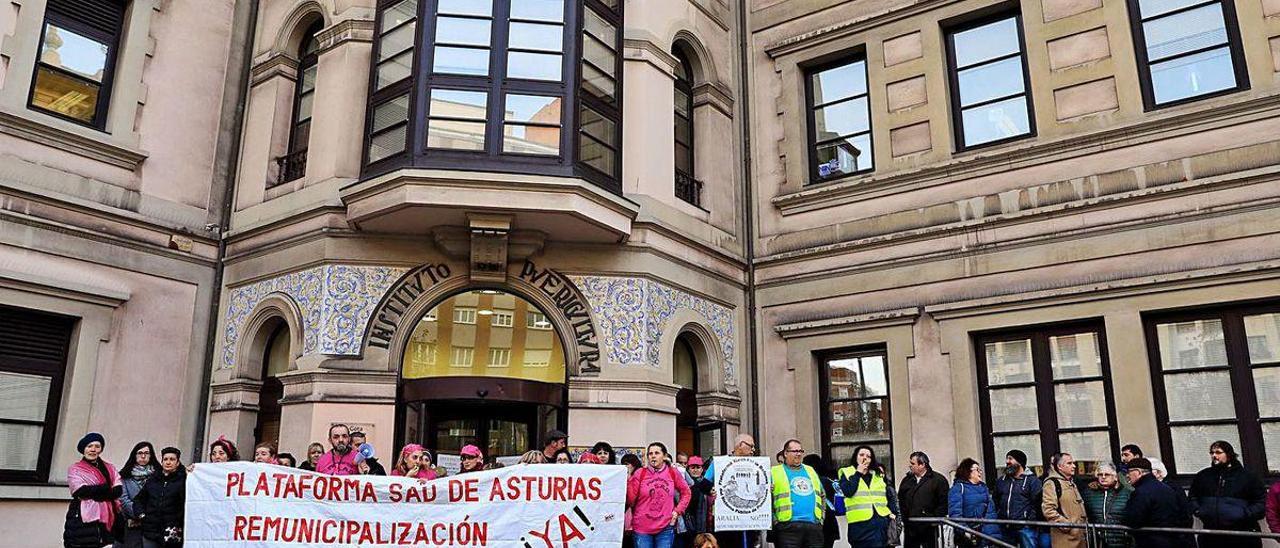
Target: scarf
x,y
141,473
84,473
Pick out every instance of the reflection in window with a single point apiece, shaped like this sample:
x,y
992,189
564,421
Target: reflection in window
x,y
856,405
531,125
1186,48
456,119
989,84
1203,360
77,51
840,121
1046,391
498,347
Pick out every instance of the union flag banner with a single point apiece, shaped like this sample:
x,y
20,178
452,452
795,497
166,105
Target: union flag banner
x,y
523,506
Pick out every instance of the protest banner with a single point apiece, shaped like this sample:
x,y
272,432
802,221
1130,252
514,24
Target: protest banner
x,y
525,506
743,494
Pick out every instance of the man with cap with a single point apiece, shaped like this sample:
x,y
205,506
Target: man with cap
x,y
552,443
1155,504
1018,498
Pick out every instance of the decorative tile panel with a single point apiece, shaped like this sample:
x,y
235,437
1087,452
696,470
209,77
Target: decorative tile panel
x,y
632,313
335,302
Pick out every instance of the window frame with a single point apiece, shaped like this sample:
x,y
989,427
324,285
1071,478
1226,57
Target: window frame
x,y
112,40
826,401
305,61
1234,45
582,99
953,78
810,69
56,371
1043,383
685,86
1248,420
496,85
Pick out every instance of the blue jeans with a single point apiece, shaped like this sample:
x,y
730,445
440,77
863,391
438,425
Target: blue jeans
x,y
661,539
1022,537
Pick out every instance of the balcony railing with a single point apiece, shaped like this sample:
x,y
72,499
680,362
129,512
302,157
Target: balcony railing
x,y
291,166
688,188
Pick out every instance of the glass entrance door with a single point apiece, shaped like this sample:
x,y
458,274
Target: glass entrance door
x,y
503,430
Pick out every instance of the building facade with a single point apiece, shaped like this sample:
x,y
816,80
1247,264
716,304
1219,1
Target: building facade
x,y
1046,225
114,121
957,226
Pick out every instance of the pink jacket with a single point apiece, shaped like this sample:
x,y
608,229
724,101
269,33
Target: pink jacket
x,y
651,497
1273,507
338,465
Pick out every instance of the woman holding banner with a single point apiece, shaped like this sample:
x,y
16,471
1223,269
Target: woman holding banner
x,y
651,495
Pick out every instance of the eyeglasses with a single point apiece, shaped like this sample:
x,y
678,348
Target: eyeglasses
x,y
795,450
1217,452
470,457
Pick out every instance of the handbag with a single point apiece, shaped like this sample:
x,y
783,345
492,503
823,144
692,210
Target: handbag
x,y
895,525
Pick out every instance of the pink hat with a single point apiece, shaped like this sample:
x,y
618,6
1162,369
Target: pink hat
x,y
411,448
695,461
471,450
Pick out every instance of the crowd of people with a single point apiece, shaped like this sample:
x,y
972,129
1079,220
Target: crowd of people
x,y
669,499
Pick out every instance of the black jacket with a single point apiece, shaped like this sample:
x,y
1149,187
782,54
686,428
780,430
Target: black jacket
x,y
1228,497
1157,504
923,497
161,503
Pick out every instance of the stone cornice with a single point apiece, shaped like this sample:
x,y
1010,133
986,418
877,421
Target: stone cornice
x,y
349,30
635,49
844,324
101,150
715,95
988,223
799,42
277,64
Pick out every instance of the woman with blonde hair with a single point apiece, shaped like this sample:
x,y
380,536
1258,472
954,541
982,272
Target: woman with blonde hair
x,y
533,457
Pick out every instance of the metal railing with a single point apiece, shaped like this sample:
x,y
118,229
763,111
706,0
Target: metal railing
x,y
291,166
688,188
947,527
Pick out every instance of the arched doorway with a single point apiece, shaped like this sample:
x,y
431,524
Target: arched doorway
x,y
483,367
684,365
275,361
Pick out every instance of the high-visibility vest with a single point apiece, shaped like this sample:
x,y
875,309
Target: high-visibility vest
x,y
782,493
867,501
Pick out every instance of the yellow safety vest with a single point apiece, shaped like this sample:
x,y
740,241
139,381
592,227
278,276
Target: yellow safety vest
x,y
782,493
868,500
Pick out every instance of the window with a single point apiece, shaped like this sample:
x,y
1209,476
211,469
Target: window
x,y
462,356
293,165
464,315
499,357
537,358
990,98
855,404
501,318
1216,376
391,80
490,87
1044,391
537,320
600,112
33,360
687,188
77,56
1187,49
839,120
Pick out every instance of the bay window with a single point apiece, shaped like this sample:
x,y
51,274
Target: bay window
x,y
492,85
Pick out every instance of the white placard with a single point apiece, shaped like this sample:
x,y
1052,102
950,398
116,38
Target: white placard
x,y
525,506
744,496
452,464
